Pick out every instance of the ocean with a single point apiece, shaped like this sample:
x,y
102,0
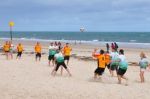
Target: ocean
x,y
126,39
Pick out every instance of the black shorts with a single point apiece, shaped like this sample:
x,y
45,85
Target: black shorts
x,y
99,70
19,54
113,67
38,54
108,66
7,51
66,57
60,64
51,57
121,72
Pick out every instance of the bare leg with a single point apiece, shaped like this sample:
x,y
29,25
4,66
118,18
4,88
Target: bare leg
x,y
68,72
49,63
112,73
119,79
125,79
142,76
67,62
95,76
61,70
35,58
7,55
109,71
11,55
53,62
52,73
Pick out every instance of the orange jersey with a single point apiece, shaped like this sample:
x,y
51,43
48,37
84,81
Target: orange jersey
x,y
108,58
6,47
67,51
38,49
101,60
19,48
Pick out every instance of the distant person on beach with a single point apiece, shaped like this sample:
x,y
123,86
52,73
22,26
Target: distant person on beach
x,y
11,49
6,49
59,46
67,52
112,46
107,47
52,52
59,58
143,65
38,50
116,46
56,45
101,63
114,61
19,51
123,65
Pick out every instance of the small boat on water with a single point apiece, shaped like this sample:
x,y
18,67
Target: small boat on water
x,y
82,29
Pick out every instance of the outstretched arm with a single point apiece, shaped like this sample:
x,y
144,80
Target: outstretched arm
x,y
94,54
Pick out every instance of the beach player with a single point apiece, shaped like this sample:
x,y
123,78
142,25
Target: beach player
x,y
123,65
67,51
52,52
114,61
101,63
108,60
38,50
19,51
6,49
59,58
143,65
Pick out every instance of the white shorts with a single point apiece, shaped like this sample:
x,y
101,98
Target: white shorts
x,y
142,69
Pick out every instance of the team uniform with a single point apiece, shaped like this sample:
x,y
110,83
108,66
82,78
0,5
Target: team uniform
x,y
19,50
108,60
38,49
60,61
6,48
101,64
52,52
123,65
114,61
67,52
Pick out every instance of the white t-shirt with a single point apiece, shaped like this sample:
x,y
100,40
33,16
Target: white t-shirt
x,y
51,47
114,55
58,55
122,58
143,63
56,47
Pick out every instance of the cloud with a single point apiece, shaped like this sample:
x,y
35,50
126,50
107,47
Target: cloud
x,y
74,13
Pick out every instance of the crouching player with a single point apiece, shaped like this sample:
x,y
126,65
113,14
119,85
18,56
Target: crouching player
x,y
59,58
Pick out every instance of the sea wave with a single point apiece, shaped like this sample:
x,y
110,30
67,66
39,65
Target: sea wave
x,y
92,42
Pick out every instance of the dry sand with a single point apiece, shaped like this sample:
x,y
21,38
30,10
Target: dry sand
x,y
27,79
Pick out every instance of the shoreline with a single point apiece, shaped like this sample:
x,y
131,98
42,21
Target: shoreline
x,y
128,45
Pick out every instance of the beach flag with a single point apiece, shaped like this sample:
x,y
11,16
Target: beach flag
x,y
11,24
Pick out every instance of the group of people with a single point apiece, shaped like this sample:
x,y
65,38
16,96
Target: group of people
x,y
116,61
8,48
114,45
58,56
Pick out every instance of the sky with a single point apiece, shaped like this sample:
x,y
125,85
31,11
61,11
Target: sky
x,y
70,15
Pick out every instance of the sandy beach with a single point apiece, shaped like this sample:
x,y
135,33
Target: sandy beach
x,y
28,79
